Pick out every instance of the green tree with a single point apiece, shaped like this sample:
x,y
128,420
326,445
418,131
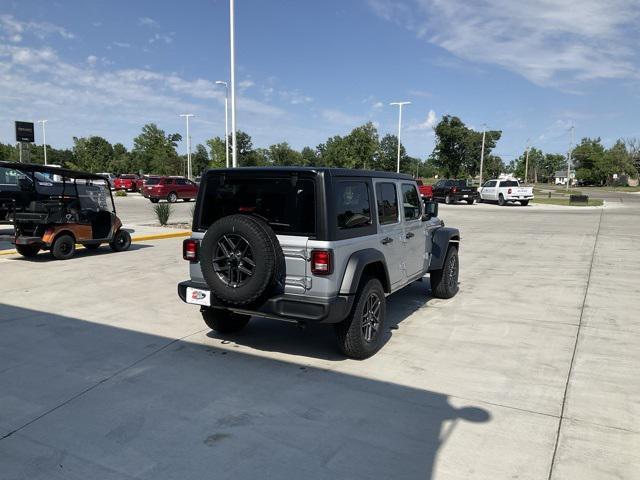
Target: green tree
x,y
217,152
387,158
155,152
309,157
590,162
282,154
493,166
121,160
359,149
199,160
92,154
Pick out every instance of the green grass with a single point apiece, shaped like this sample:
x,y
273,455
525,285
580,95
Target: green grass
x,y
593,202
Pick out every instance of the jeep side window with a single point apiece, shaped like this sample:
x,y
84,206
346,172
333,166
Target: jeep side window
x,y
410,202
387,203
353,209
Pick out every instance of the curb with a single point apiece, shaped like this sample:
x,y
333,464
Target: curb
x,y
141,238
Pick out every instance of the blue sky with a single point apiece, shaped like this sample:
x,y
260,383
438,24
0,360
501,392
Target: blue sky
x,y
309,69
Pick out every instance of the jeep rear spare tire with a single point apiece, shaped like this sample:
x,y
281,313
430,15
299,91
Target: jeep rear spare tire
x,y
241,259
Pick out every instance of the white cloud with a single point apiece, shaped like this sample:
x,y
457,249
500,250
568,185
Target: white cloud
x,y
246,84
550,42
294,97
428,124
148,22
16,29
122,44
160,37
378,105
343,119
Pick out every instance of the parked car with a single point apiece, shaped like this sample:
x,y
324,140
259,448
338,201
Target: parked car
x,y
128,182
503,191
426,191
452,191
111,177
313,245
170,188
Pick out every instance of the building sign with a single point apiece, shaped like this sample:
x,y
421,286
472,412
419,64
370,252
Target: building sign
x,y
24,132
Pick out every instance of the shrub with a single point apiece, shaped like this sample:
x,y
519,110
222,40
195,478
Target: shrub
x,y
121,193
163,212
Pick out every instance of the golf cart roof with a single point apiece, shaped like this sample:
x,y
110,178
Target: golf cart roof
x,y
63,172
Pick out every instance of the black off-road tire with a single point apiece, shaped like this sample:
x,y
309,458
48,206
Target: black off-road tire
x,y
349,332
224,321
154,200
172,197
63,247
266,254
524,203
121,241
470,201
28,251
444,283
501,200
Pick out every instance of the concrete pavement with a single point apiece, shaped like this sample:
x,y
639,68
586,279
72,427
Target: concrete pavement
x,y
529,373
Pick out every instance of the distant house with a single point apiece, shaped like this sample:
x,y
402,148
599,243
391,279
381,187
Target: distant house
x,y
561,177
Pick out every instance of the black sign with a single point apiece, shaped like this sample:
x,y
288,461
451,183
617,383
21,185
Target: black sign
x,y
24,132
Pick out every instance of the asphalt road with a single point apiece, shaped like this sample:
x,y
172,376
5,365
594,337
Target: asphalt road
x,y
530,372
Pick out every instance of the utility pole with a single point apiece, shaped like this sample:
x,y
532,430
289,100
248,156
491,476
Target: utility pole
x,y
226,120
400,105
232,41
526,164
186,116
484,131
569,157
44,139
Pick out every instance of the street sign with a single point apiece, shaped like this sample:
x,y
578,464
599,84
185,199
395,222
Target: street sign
x,y
24,132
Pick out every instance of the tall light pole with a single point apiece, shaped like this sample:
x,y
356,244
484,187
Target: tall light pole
x,y
484,132
44,139
186,116
226,119
526,164
569,157
232,42
400,105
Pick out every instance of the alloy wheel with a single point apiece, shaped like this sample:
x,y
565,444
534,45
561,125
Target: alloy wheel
x,y
371,318
234,260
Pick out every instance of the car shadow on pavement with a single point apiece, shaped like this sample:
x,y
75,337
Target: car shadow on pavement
x,y
81,253
318,341
104,402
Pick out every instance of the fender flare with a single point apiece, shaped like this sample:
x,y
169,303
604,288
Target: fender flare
x,y
442,238
356,265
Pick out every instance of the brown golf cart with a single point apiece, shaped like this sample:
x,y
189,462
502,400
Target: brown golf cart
x,y
55,208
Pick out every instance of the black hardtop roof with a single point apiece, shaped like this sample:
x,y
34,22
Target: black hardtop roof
x,y
63,172
337,172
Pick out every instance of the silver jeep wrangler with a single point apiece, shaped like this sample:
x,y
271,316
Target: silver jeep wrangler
x,y
313,245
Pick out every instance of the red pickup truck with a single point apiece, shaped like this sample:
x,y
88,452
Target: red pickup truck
x,y
169,188
426,191
129,182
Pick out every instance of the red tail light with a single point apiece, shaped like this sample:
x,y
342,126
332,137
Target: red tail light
x,y
321,263
509,191
190,249
454,190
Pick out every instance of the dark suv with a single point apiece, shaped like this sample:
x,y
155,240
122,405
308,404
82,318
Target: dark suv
x,y
313,245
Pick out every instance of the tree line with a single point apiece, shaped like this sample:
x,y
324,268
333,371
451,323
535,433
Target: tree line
x,y
457,154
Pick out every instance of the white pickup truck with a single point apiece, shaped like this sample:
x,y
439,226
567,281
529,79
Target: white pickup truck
x,y
503,191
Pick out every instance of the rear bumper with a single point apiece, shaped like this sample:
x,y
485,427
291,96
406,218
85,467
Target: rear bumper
x,y
288,308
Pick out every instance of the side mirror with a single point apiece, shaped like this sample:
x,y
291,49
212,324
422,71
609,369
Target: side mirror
x,y
430,210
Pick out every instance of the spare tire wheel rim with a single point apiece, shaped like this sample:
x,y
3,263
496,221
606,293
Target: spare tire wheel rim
x,y
233,260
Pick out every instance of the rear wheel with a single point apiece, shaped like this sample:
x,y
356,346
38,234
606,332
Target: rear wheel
x,y
154,200
172,197
224,321
501,200
121,241
448,200
470,201
360,335
28,251
524,203
63,247
444,283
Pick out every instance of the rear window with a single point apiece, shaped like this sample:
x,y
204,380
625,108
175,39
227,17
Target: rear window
x,y
128,177
459,183
509,183
287,207
152,181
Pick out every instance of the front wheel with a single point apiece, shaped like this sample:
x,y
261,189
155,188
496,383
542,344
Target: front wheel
x,y
224,321
444,283
121,241
27,251
63,247
360,335
524,203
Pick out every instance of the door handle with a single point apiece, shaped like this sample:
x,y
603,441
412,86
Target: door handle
x,y
386,240
410,235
